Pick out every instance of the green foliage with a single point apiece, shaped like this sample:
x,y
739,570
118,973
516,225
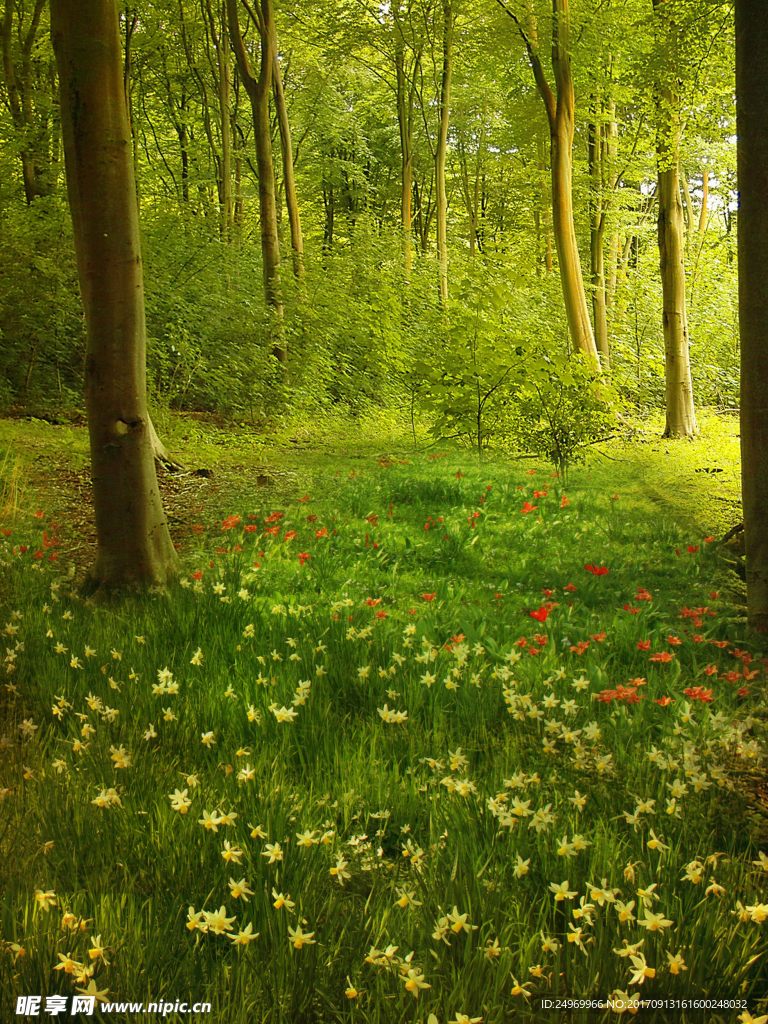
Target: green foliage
x,y
561,408
41,318
493,732
488,387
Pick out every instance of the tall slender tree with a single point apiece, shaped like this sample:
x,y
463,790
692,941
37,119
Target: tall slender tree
x,y
752,159
681,416
134,544
258,88
442,148
560,109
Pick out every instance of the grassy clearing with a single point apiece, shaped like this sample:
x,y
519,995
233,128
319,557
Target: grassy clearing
x,y
364,720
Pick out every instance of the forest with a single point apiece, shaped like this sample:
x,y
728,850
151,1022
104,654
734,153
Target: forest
x,y
383,489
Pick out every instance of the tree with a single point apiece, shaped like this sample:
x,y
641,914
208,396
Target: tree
x,y
559,107
442,146
258,89
28,99
681,417
752,158
134,544
286,147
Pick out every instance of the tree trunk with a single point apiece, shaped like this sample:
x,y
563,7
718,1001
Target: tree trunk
x,y
291,201
225,109
561,131
258,90
681,417
37,173
597,231
704,201
134,545
405,123
752,164
560,114
131,21
442,146
545,198
611,152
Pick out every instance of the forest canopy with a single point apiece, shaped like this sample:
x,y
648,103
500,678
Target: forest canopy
x,y
459,190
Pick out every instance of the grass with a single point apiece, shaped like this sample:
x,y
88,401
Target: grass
x,y
399,804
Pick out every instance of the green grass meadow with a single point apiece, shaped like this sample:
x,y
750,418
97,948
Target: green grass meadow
x,y
411,739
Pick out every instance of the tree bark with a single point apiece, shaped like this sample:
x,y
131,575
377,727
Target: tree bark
x,y
405,124
291,200
560,114
134,544
442,147
681,417
596,235
752,170
704,201
258,90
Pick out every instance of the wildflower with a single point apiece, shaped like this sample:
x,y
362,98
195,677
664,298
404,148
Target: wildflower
x,y
641,970
522,867
575,936
179,801
758,912
297,938
282,901
628,950
45,900
462,1018
624,910
406,899
675,963
414,981
217,921
549,945
584,910
518,989
655,843
339,870
67,963
350,992
714,888
565,849
655,922
694,872
208,739
240,890
194,920
210,821
283,714
458,921
244,936
741,912
561,891
231,853
629,871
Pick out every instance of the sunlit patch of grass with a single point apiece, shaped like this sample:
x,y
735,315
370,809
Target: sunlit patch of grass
x,y
421,690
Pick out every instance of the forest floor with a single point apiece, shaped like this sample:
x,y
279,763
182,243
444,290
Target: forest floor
x,y
606,570
697,481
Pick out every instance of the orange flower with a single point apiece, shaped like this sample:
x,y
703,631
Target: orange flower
x,y
662,656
